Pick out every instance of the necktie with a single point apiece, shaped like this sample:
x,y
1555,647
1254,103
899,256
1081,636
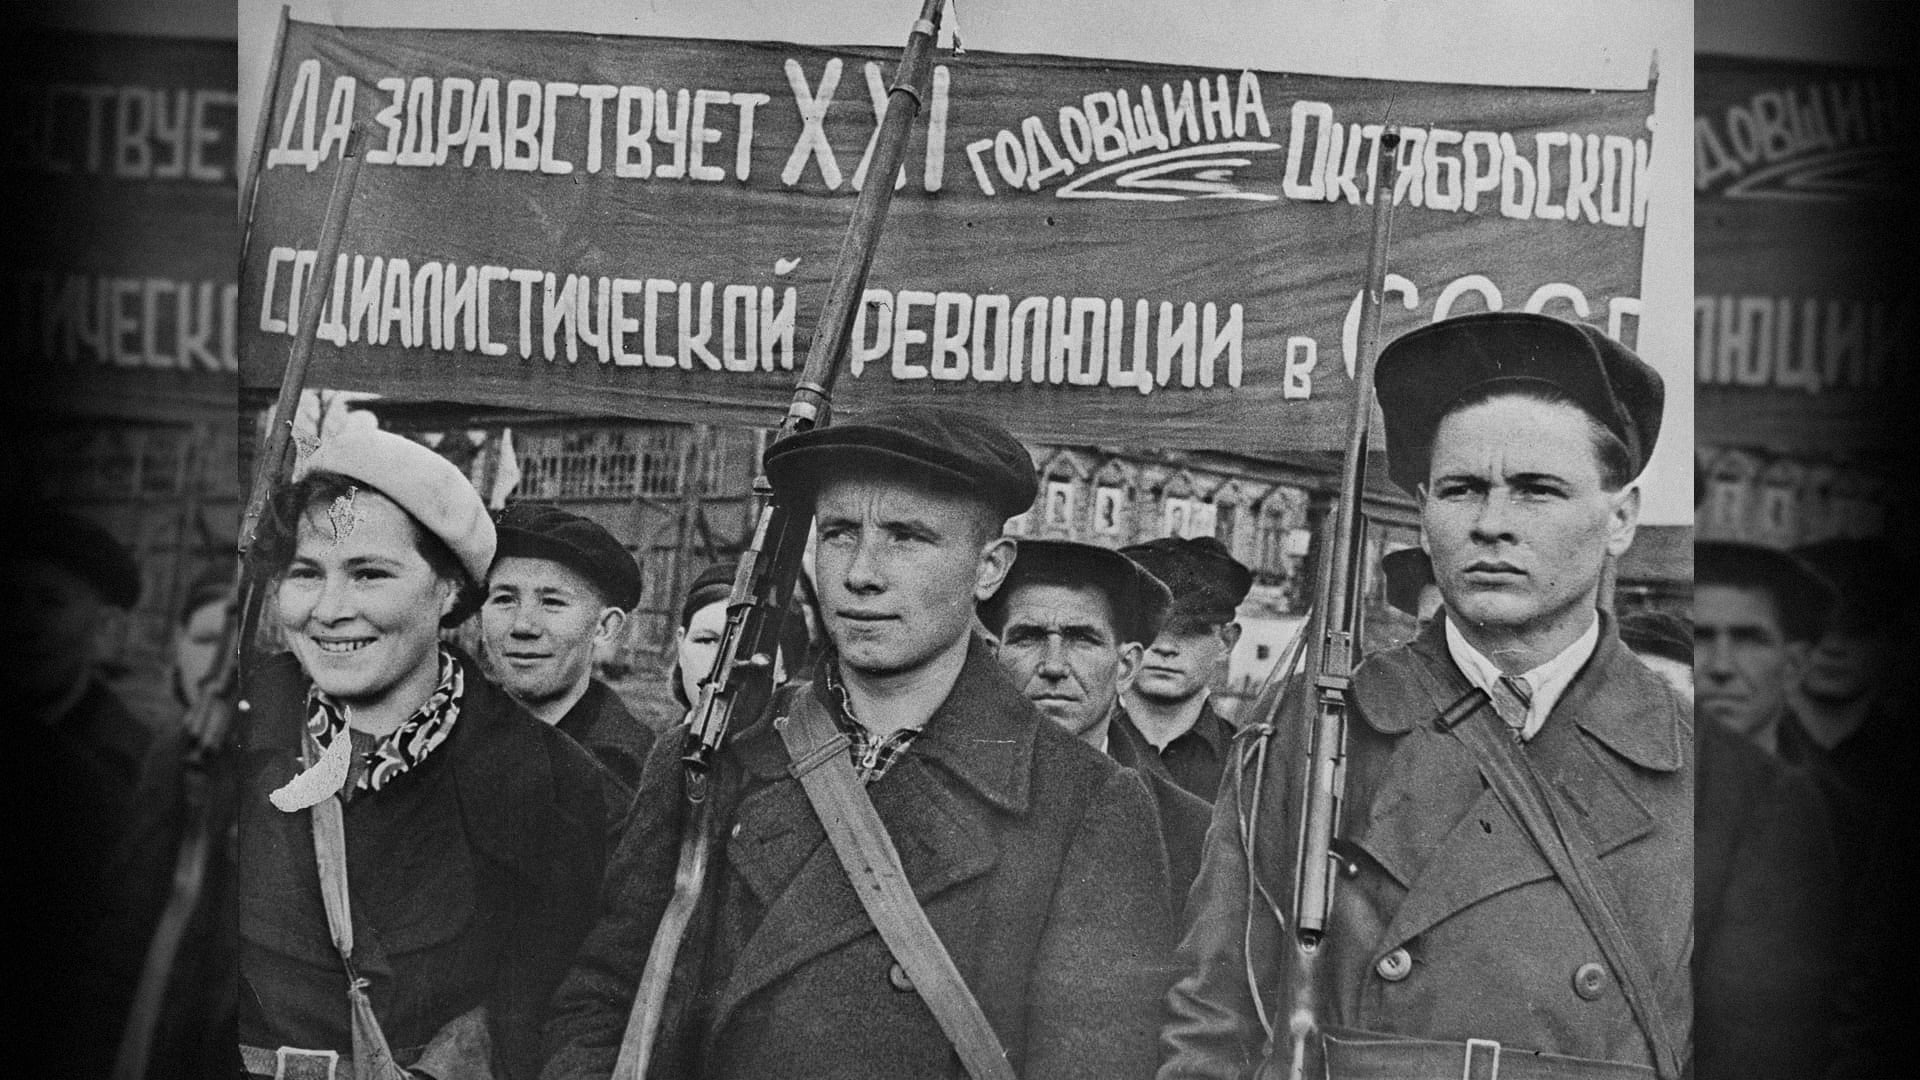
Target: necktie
x,y
1511,697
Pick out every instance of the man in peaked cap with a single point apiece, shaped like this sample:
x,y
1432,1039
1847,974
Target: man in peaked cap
x,y
1452,948
560,589
1035,858
1169,705
1074,621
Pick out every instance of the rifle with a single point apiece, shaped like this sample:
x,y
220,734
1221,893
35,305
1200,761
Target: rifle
x,y
1331,633
210,716
741,680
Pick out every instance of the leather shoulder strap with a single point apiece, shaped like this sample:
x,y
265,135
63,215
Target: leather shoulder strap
x,y
1568,851
372,1055
819,761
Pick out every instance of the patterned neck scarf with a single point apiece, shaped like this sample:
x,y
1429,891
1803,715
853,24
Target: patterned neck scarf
x,y
407,745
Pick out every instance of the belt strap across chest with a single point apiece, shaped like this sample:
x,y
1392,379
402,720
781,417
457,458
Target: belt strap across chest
x,y
819,761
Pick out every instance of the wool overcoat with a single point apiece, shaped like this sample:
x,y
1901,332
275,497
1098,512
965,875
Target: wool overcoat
x,y
1036,858
1183,815
472,879
616,738
1447,921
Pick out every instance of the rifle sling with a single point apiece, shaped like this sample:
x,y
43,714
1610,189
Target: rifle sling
x,y
1570,854
372,1056
819,754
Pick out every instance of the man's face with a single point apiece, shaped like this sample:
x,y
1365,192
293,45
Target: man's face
x,y
1516,521
1847,664
1060,648
1182,661
899,570
541,621
53,617
1742,662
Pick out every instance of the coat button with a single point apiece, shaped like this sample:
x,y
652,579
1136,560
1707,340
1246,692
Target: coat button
x,y
897,976
1590,981
1395,966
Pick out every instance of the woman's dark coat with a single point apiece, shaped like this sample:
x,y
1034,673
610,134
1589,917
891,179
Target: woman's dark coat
x,y
472,877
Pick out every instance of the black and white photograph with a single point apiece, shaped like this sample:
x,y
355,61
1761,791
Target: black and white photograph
x,y
1340,539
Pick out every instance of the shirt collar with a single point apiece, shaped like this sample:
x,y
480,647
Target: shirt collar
x,y
1546,681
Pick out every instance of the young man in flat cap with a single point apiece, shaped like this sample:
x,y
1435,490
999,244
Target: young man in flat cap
x,y
1453,947
1033,856
559,589
1169,706
1073,622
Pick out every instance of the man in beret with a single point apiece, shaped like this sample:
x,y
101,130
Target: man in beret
x,y
1035,858
1520,436
1169,706
560,588
1848,709
1073,621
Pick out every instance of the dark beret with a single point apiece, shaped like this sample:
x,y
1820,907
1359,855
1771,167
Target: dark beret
x,y
1804,599
78,545
1139,600
1407,570
1870,579
957,450
1422,373
544,531
1207,582
713,583
1657,633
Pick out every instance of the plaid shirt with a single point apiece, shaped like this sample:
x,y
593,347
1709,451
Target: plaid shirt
x,y
872,754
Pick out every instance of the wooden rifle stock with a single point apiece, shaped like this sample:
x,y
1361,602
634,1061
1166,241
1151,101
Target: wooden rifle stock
x,y
1330,656
741,681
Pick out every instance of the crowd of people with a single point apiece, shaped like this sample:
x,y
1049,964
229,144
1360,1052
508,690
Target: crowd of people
x,y
445,863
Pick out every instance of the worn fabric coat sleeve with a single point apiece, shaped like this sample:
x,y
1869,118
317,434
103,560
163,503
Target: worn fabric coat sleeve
x,y
1095,1006
1214,1029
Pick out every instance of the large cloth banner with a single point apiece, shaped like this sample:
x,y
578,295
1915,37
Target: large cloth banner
x,y
121,157
1802,300
1094,252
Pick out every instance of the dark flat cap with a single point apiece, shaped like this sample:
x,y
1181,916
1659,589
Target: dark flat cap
x,y
1207,582
1657,633
544,531
713,583
78,545
1803,598
1422,373
956,450
1407,570
1871,580
1139,600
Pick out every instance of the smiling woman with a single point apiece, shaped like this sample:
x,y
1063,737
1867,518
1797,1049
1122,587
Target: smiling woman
x,y
466,835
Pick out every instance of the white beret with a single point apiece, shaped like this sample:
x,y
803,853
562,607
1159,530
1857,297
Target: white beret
x,y
424,484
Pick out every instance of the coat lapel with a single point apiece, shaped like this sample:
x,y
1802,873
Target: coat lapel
x,y
970,762
1438,830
